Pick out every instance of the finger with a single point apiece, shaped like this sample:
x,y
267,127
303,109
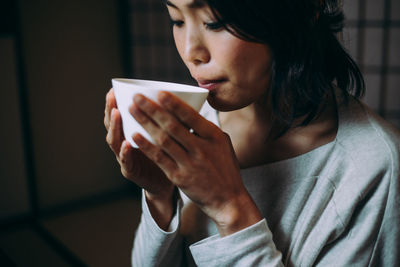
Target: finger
x,y
115,135
125,159
110,104
129,159
187,115
160,129
156,154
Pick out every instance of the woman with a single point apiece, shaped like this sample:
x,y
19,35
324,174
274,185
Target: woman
x,y
291,170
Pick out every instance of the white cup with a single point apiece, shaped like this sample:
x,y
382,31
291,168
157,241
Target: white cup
x,y
126,89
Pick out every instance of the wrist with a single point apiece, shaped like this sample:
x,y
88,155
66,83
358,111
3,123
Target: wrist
x,y
240,213
165,196
162,207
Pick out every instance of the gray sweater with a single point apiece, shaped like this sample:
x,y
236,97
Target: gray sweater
x,y
337,205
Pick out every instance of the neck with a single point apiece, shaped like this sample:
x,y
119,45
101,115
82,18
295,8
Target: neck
x,y
253,131
248,128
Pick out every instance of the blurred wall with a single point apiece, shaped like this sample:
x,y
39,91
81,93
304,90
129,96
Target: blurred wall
x,y
14,198
55,69
154,54
372,35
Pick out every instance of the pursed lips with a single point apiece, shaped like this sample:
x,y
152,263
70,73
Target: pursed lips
x,y
210,84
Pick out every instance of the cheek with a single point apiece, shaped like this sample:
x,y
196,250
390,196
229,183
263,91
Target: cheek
x,y
254,56
179,42
249,61
230,55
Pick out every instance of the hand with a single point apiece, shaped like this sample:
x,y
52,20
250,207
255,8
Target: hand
x,y
203,165
136,167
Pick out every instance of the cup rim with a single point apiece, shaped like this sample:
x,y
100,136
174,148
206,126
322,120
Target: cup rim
x,y
163,86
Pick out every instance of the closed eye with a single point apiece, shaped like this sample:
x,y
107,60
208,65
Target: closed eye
x,y
177,23
214,26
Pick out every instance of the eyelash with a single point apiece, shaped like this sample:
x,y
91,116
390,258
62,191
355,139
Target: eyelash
x,y
212,26
177,23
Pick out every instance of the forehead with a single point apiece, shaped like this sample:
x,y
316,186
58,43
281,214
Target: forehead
x,y
191,4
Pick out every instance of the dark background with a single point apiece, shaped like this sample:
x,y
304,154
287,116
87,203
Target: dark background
x,y
63,201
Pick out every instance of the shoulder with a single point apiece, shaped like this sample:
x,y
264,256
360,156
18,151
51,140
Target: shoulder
x,y
385,132
366,138
364,164
365,160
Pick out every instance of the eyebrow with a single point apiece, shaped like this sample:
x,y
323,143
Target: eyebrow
x,y
194,4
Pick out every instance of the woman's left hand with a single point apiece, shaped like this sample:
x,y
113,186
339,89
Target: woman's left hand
x,y
202,164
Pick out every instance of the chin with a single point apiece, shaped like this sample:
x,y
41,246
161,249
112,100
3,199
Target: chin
x,y
222,104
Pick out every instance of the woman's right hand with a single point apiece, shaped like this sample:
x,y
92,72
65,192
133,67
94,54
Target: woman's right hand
x,y
136,167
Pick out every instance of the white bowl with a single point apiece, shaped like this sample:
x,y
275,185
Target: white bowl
x,y
126,89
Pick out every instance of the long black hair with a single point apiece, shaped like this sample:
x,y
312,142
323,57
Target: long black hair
x,y
308,59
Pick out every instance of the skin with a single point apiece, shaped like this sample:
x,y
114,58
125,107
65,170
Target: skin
x,y
242,66
206,165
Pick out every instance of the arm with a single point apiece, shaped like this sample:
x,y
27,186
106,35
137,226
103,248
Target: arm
x,y
203,165
154,246
159,194
252,246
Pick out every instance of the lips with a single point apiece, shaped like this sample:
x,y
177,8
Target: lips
x,y
210,84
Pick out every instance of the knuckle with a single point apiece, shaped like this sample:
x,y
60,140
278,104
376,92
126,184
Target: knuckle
x,y
158,156
181,113
178,177
123,161
173,105
112,144
140,119
151,110
200,155
126,166
186,116
172,128
124,172
164,140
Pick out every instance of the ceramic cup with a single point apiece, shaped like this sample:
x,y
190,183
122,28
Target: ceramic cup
x,y
126,89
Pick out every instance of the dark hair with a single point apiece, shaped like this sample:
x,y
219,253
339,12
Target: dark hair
x,y
308,59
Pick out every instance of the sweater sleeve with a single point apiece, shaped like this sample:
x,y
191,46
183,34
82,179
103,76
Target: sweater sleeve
x,y
153,246
252,246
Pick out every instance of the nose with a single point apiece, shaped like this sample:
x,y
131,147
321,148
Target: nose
x,y
195,51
